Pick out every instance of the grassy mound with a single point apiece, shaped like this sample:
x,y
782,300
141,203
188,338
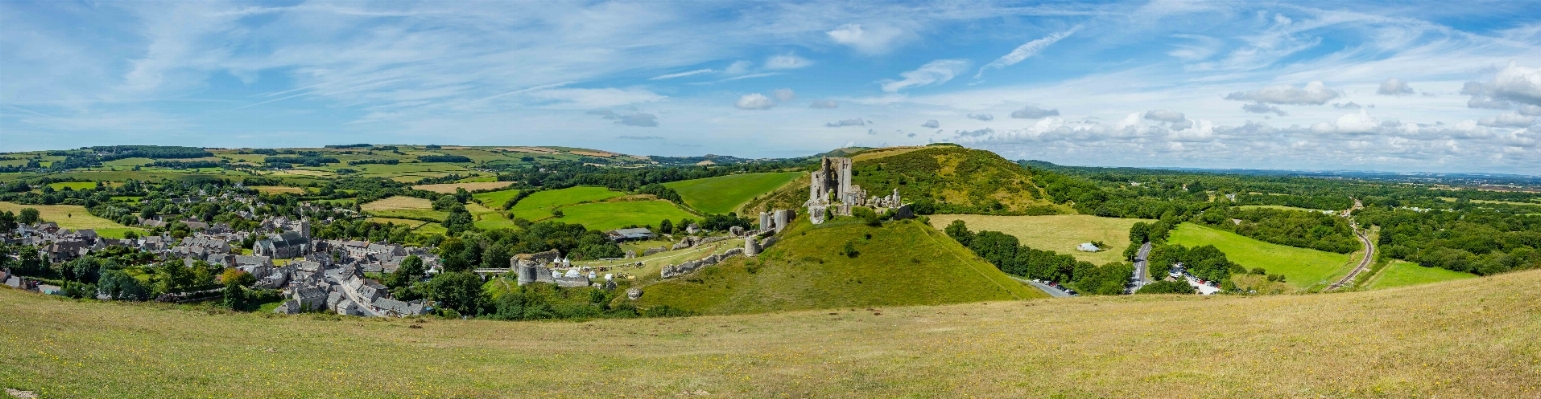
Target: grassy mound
x,y
903,263
1402,273
1303,268
957,179
1469,338
724,194
1058,233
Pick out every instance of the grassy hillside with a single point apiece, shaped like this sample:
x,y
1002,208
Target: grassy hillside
x,y
724,194
959,180
403,207
1058,233
74,217
495,199
903,263
1402,273
1470,338
1302,268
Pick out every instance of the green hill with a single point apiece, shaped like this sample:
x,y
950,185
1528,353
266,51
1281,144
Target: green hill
x,y
902,263
723,194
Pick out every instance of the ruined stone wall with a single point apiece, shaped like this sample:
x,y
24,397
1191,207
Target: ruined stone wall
x,y
691,266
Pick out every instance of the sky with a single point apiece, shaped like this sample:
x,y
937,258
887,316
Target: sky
x,y
1404,86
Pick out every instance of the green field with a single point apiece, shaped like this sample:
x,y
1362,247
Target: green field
x,y
1058,233
73,185
1402,273
1307,269
490,219
74,217
604,216
723,194
538,206
495,199
1461,339
904,263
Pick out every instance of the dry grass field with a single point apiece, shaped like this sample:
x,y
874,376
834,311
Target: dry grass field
x,y
1477,338
1058,233
473,186
279,190
74,217
397,203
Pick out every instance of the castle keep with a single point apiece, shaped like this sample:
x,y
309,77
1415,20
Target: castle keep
x,y
830,190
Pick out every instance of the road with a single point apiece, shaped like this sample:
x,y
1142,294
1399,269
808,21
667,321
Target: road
x,y
1140,265
1364,264
1044,287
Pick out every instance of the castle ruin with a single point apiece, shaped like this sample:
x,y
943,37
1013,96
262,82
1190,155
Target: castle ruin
x,y
831,192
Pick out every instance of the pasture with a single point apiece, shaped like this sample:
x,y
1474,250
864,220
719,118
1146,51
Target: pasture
x,y
403,207
1307,269
471,186
74,217
1403,273
279,190
604,216
495,199
1058,233
1381,343
73,185
538,206
723,194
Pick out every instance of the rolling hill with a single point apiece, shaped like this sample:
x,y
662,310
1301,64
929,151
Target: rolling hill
x,y
723,194
1469,338
1304,268
902,263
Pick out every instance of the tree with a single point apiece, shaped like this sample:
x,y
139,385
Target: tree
x,y
121,286
237,276
458,291
959,231
407,272
666,227
1166,287
28,216
236,297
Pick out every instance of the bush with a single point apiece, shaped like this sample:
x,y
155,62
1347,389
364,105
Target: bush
x,y
1167,287
850,250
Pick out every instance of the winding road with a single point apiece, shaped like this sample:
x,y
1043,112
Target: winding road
x,y
1141,264
1364,264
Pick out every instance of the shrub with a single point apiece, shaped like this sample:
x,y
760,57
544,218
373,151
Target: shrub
x,y
1167,287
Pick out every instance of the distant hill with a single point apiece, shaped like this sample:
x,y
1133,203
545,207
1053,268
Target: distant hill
x,y
902,263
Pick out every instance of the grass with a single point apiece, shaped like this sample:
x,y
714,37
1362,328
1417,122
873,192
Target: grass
x,y
1402,273
403,222
495,199
538,206
73,185
74,217
1278,207
723,194
490,219
470,186
279,190
403,207
1307,269
904,263
1472,338
1058,233
605,216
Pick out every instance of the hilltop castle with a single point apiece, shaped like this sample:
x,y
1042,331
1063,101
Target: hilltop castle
x,y
830,191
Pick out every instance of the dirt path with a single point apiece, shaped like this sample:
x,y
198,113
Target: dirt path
x,y
1364,264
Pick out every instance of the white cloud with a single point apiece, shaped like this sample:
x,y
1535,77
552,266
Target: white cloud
x,y
783,95
1314,93
754,101
1530,110
982,117
1033,112
824,104
786,61
1165,115
931,124
934,72
1026,50
639,119
1393,87
846,122
1260,108
683,74
596,98
1508,119
738,68
869,40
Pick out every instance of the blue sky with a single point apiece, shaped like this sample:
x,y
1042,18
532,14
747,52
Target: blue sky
x,y
1399,86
